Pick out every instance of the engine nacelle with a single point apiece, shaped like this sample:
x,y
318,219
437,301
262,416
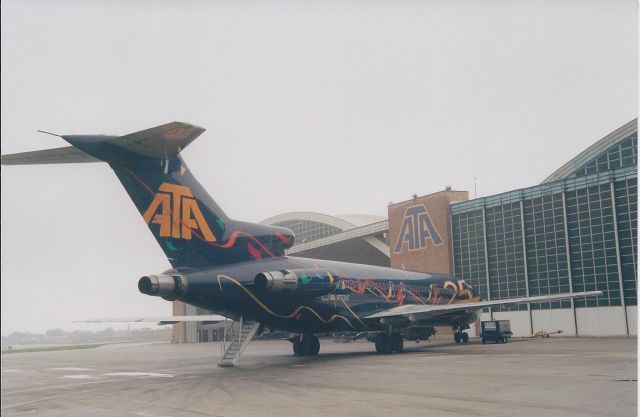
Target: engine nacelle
x,y
169,287
311,282
418,332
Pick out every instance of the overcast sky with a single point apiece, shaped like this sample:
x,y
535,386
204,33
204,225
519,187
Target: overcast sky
x,y
332,107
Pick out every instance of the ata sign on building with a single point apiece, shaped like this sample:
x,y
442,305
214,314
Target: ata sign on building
x,y
417,230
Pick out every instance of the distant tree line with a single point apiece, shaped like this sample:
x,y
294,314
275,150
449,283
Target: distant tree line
x,y
59,336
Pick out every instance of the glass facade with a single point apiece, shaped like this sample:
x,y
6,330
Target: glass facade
x,y
576,234
505,253
626,193
307,230
468,249
547,267
592,244
621,155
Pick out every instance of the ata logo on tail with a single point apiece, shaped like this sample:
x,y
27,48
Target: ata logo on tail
x,y
417,227
177,213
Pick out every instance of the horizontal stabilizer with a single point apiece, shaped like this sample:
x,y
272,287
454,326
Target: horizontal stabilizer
x,y
205,318
162,142
65,155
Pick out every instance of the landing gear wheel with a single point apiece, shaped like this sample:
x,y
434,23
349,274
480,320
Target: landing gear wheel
x,y
382,343
465,337
396,344
298,347
312,345
456,337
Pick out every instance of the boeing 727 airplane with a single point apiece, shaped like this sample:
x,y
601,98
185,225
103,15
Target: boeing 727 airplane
x,y
240,270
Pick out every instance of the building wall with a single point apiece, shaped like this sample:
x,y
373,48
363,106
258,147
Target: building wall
x,y
419,232
520,321
632,318
601,321
179,332
553,320
184,332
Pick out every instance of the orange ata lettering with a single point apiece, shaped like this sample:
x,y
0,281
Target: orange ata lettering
x,y
172,223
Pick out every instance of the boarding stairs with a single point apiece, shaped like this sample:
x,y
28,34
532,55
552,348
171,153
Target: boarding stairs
x,y
237,336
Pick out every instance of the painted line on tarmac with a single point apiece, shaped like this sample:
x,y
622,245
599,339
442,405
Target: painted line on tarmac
x,y
68,386
52,397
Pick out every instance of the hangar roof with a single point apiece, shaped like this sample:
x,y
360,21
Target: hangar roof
x,y
324,236
590,160
308,226
343,221
359,219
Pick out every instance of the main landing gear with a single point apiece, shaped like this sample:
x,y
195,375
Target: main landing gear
x,y
459,335
389,342
305,345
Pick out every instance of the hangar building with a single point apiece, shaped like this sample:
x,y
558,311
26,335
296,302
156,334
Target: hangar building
x,y
576,231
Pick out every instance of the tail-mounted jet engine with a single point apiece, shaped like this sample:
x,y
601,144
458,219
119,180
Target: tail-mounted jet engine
x,y
169,287
311,282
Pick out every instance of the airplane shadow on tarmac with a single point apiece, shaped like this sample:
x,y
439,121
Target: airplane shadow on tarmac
x,y
288,360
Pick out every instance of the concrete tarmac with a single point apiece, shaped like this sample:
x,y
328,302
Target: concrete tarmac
x,y
527,377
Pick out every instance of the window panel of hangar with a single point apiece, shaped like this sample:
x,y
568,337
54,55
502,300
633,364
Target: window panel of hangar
x,y
593,266
546,250
468,240
629,151
615,160
627,216
624,154
504,247
603,162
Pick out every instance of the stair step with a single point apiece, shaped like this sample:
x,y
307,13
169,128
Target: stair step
x,y
239,336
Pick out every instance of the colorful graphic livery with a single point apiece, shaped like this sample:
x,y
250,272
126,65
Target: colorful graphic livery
x,y
240,270
417,229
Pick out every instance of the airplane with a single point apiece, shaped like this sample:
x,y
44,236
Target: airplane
x,y
240,270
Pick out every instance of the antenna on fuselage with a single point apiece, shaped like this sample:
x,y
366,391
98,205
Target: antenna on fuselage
x,y
49,133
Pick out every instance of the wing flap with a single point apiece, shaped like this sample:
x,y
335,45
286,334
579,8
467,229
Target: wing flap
x,y
426,311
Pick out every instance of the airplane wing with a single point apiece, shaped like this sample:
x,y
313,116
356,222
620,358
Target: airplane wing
x,y
422,311
205,319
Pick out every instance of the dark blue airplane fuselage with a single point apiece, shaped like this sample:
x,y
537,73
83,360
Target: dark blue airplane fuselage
x,y
362,290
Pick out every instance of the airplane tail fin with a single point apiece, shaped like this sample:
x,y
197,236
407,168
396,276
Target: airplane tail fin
x,y
188,224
